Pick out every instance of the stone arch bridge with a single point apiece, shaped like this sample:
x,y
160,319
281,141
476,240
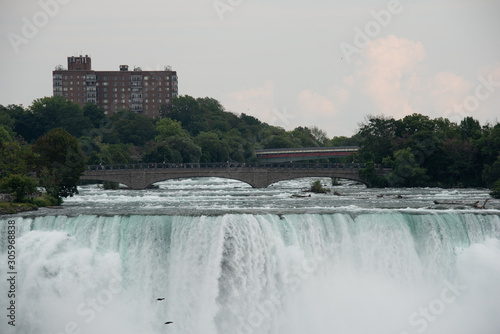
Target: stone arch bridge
x,y
258,175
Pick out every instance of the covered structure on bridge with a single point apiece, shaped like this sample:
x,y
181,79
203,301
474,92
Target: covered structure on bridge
x,y
304,153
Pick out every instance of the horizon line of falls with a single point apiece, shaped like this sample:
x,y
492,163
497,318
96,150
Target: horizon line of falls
x,y
396,272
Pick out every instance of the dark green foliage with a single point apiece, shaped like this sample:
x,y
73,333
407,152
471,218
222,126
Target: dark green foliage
x,y
406,171
110,185
317,188
422,151
44,200
491,174
94,114
51,112
430,152
188,111
59,163
161,152
377,139
495,190
130,128
213,149
15,158
18,186
186,147
369,176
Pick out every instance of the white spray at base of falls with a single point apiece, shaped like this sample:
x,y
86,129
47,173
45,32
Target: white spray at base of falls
x,y
305,273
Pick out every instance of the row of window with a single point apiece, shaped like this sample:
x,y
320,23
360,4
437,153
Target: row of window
x,y
93,84
160,96
113,78
105,100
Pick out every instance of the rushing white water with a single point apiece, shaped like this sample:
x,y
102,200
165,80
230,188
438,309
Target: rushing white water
x,y
369,272
229,259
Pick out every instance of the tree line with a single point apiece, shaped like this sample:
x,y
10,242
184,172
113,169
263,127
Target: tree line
x,y
425,152
48,143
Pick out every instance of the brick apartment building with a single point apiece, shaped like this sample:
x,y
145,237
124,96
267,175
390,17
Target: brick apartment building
x,y
137,90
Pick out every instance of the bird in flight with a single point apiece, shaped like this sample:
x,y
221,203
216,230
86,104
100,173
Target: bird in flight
x,y
168,322
160,299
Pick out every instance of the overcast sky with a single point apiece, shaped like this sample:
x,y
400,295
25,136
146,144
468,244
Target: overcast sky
x,y
289,63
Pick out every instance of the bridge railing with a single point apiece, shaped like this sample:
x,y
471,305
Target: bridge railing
x,y
224,165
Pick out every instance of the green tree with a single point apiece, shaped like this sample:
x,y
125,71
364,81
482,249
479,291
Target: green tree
x,y
54,112
406,170
7,124
168,128
213,149
369,176
305,136
187,110
317,188
495,190
186,147
59,163
94,114
470,128
130,128
15,158
378,138
491,174
239,149
161,152
18,185
5,135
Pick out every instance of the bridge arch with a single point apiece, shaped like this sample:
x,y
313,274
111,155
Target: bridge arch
x,y
256,175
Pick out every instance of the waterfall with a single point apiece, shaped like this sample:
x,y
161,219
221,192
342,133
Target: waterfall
x,y
377,272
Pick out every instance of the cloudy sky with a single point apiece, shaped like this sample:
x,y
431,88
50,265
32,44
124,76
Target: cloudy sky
x,y
290,63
